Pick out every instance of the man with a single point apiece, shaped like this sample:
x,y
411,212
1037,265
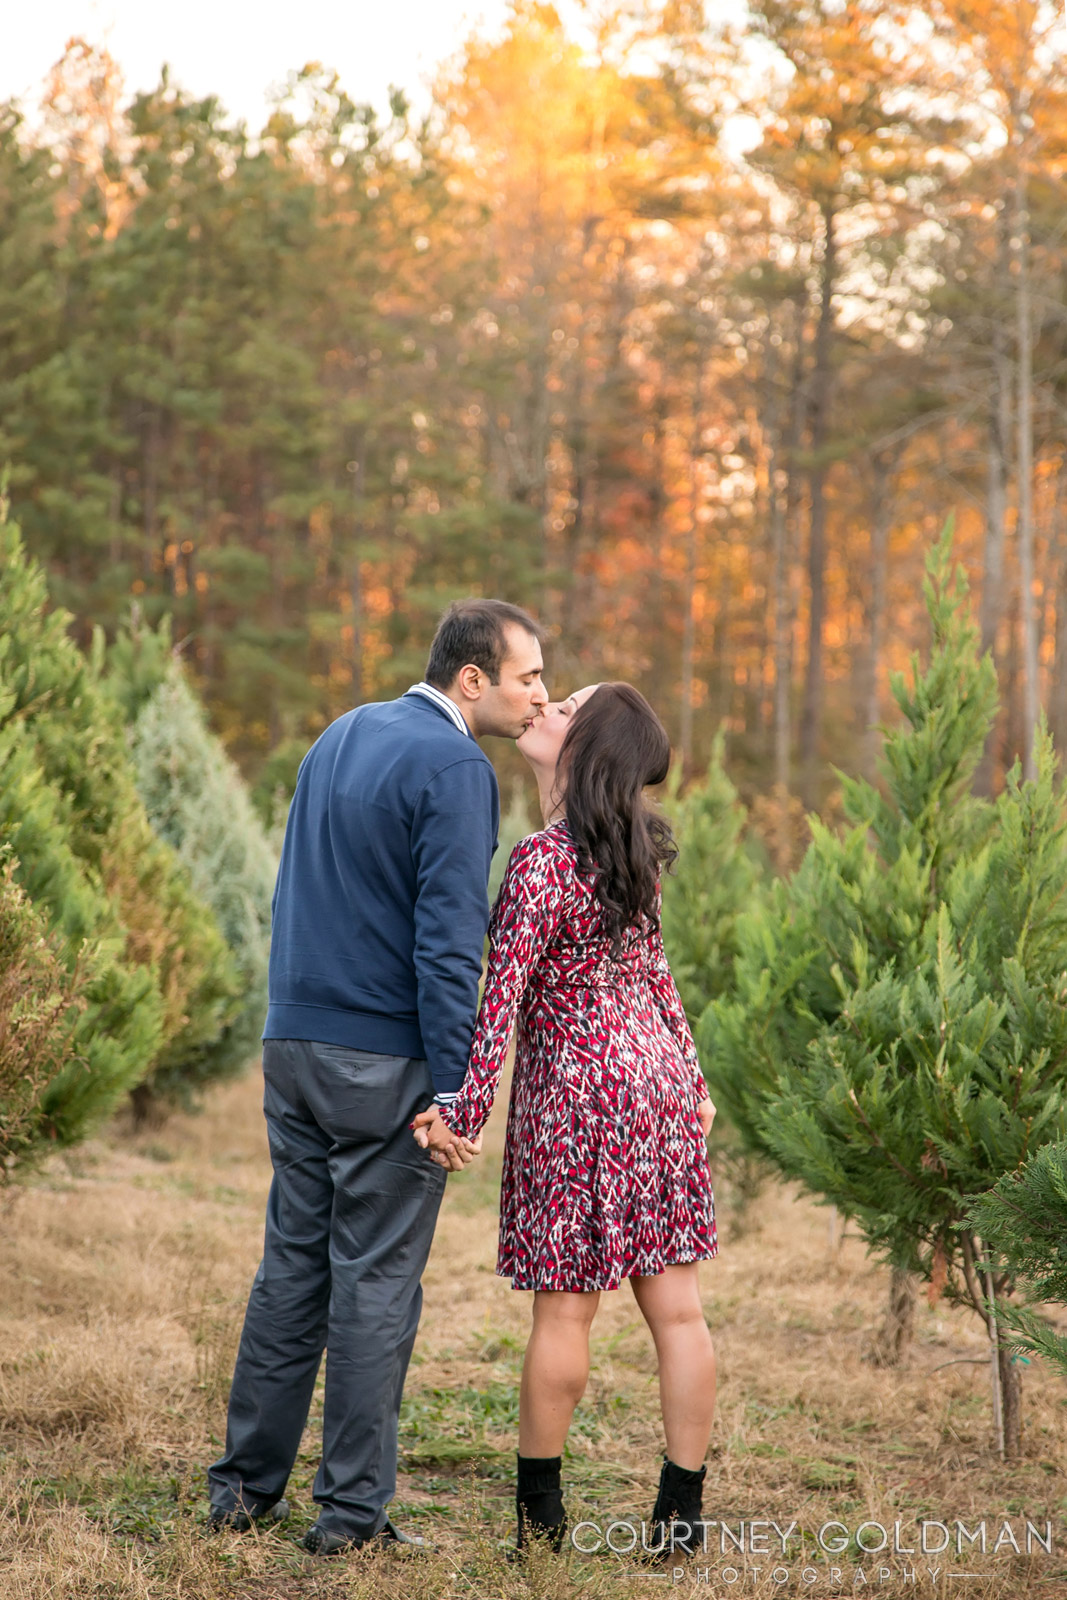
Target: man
x,y
379,919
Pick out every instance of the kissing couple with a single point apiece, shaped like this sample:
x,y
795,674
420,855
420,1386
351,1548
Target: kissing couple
x,y
380,1070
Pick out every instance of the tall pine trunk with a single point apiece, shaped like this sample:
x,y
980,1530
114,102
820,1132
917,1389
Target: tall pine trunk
x,y
782,630
1025,453
1057,706
822,377
998,473
685,734
998,453
359,512
783,508
881,522
685,722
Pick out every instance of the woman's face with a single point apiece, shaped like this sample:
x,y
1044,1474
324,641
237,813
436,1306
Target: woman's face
x,y
543,739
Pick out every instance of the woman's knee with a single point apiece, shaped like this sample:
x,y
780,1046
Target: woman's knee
x,y
670,1302
567,1313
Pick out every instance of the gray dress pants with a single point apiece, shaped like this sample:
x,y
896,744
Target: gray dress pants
x,y
350,1219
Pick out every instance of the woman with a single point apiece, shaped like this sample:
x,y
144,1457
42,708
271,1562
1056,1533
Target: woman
x,y
605,1166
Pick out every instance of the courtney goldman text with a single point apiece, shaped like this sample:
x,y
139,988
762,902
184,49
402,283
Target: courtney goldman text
x,y
761,1536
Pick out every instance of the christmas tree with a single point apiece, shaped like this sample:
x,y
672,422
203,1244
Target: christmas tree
x,y
153,967
897,1035
197,802
717,877
39,1008
1023,1223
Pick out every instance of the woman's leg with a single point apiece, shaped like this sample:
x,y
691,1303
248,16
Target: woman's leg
x,y
555,1371
670,1304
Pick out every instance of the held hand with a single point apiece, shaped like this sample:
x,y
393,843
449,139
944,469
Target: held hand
x,y
468,1149
706,1113
447,1149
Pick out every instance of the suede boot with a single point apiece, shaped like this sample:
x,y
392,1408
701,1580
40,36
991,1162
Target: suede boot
x,y
539,1502
678,1511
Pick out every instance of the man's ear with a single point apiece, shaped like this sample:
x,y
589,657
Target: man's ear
x,y
470,682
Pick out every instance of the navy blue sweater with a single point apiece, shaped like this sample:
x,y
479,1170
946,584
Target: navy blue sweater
x,y
380,909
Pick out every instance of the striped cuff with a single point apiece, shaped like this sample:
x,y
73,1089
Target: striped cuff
x,y
441,1098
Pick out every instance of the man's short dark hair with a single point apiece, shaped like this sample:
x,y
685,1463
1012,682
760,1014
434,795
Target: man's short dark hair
x,y
471,633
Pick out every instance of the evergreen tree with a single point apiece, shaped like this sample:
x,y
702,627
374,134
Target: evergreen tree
x,y
40,1000
158,972
197,802
1024,1221
134,666
275,785
120,1029
717,878
897,1035
299,389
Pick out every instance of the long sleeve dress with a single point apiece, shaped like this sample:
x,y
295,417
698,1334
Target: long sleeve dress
x,y
605,1166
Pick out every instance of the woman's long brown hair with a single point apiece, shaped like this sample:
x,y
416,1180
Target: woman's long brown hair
x,y
615,747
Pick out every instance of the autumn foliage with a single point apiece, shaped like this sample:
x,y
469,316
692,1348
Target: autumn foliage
x,y
685,334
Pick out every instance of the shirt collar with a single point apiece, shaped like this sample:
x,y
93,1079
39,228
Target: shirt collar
x,y
443,703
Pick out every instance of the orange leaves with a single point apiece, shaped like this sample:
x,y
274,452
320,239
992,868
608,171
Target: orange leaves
x,y
554,139
844,125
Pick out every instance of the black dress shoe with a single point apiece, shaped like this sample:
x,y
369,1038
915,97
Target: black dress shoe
x,y
321,1542
238,1520
390,1534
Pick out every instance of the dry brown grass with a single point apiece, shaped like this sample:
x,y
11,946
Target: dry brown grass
x,y
124,1273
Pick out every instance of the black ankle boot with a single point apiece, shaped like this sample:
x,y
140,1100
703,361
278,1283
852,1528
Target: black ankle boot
x,y
678,1511
539,1502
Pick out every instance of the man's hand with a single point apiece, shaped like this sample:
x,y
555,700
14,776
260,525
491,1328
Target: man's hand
x,y
449,1150
706,1113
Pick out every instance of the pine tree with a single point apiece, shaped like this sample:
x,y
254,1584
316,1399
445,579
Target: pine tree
x,y
1023,1220
897,1034
136,663
198,803
717,878
40,1001
158,971
120,1029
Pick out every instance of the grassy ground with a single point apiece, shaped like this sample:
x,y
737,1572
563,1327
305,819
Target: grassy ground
x,y
123,1275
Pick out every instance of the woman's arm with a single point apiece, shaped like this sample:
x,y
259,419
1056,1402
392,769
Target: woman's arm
x,y
526,914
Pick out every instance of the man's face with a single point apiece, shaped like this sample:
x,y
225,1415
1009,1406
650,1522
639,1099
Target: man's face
x,y
506,708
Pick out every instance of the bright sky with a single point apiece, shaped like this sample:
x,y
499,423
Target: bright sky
x,y
238,50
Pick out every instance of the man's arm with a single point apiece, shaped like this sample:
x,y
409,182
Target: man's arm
x,y
452,837
528,910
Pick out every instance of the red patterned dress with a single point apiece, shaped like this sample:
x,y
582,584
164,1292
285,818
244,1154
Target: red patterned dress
x,y
605,1167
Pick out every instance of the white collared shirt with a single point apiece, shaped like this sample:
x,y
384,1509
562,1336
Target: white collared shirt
x,y
448,706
